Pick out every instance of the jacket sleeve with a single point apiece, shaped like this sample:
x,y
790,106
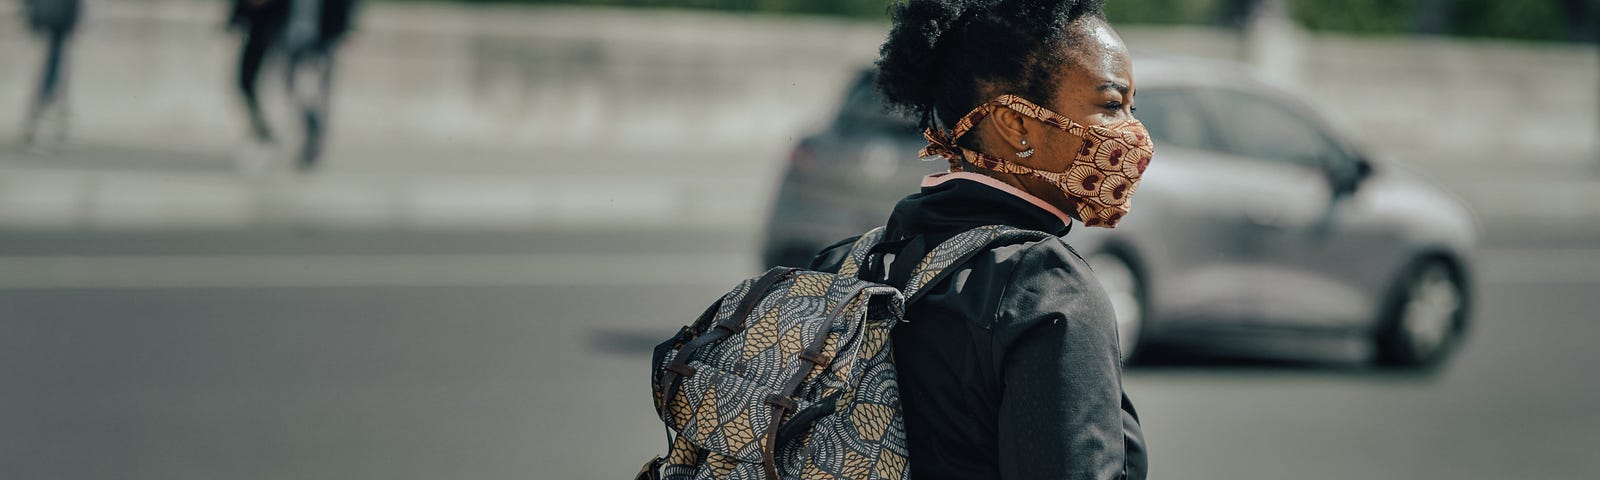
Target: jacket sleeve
x,y
1063,414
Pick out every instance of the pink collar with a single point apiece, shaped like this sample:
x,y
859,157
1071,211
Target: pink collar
x,y
938,178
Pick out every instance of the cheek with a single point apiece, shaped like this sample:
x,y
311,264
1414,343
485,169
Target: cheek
x,y
1059,151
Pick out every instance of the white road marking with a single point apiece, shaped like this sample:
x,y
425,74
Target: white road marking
x,y
282,271
541,269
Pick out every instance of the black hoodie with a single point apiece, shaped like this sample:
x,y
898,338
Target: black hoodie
x,y
1009,368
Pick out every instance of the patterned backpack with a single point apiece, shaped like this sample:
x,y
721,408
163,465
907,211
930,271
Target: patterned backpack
x,y
790,375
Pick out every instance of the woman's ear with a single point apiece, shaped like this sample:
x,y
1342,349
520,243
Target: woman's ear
x,y
1010,128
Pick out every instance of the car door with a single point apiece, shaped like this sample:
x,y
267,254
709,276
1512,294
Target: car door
x,y
1293,232
1181,227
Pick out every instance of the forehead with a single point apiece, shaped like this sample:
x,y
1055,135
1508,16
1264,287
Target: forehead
x,y
1096,56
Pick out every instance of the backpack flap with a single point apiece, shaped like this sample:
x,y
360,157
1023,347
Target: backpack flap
x,y
772,368
721,387
725,413
671,359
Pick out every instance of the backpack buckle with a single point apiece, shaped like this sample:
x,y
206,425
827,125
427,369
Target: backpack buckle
x,y
682,369
785,403
814,357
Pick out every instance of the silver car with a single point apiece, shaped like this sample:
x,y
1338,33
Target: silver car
x,y
1256,222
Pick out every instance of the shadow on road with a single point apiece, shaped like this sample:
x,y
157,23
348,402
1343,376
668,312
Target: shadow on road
x,y
1201,362
627,342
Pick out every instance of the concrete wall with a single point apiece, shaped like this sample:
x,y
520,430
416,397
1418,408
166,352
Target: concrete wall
x,y
515,79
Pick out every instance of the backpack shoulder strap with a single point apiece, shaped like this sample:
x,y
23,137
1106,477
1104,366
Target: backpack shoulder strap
x,y
936,265
859,253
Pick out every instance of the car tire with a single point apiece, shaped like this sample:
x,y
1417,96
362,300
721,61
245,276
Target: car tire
x,y
1125,288
1424,318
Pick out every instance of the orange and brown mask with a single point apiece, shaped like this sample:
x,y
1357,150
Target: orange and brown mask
x,y
1099,181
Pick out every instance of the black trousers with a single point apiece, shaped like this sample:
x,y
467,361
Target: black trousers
x,y
258,41
310,84
51,79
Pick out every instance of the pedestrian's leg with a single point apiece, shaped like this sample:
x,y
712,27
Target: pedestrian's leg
x,y
312,97
61,98
46,94
324,101
251,56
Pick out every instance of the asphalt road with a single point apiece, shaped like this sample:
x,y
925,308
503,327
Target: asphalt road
x,y
275,355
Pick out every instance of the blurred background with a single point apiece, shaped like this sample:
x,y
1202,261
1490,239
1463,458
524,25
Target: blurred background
x,y
514,200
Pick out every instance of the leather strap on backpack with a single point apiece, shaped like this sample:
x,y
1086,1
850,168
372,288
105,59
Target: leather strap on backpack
x,y
669,378
783,401
679,369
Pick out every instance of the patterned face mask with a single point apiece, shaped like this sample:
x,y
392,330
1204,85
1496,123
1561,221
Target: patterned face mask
x,y
1101,178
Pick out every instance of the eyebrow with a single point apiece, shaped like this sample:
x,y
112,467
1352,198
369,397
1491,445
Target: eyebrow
x,y
1113,86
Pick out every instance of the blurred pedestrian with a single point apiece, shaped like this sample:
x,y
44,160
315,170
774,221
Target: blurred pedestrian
x,y
1010,368
54,21
1235,14
262,22
313,33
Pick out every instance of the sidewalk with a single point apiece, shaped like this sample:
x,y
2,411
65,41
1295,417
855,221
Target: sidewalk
x,y
430,189
104,189
468,117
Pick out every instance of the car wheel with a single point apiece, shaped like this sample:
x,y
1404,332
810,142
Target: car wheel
x,y
1122,284
1425,318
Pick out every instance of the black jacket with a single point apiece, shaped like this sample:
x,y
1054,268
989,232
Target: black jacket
x,y
271,16
1008,369
52,16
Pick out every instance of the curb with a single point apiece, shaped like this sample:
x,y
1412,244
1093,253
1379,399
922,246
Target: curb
x,y
123,201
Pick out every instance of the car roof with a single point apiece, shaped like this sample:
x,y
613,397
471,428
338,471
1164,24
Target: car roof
x,y
1162,70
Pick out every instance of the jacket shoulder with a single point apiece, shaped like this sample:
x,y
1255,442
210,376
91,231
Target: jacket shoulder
x,y
1047,281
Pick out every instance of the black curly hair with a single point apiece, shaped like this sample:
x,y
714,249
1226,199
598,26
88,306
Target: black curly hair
x,y
941,54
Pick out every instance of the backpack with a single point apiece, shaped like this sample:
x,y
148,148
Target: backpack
x,y
790,375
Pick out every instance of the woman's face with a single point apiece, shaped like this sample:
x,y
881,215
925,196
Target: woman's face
x,y
1095,88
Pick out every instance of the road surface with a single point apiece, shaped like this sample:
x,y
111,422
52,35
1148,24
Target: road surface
x,y
276,354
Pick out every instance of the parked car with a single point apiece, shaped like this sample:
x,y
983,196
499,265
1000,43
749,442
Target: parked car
x,y
1256,219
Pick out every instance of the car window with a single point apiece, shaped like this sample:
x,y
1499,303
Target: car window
x,y
864,109
1265,129
1173,117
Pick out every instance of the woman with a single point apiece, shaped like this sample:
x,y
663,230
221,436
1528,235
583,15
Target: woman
x,y
1010,368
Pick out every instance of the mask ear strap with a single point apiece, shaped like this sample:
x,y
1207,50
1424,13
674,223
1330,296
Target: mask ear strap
x,y
1033,110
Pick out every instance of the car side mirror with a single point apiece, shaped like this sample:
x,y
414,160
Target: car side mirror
x,y
1347,173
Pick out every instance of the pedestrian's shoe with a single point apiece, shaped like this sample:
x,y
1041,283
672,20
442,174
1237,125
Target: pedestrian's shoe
x,y
312,149
260,129
262,133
